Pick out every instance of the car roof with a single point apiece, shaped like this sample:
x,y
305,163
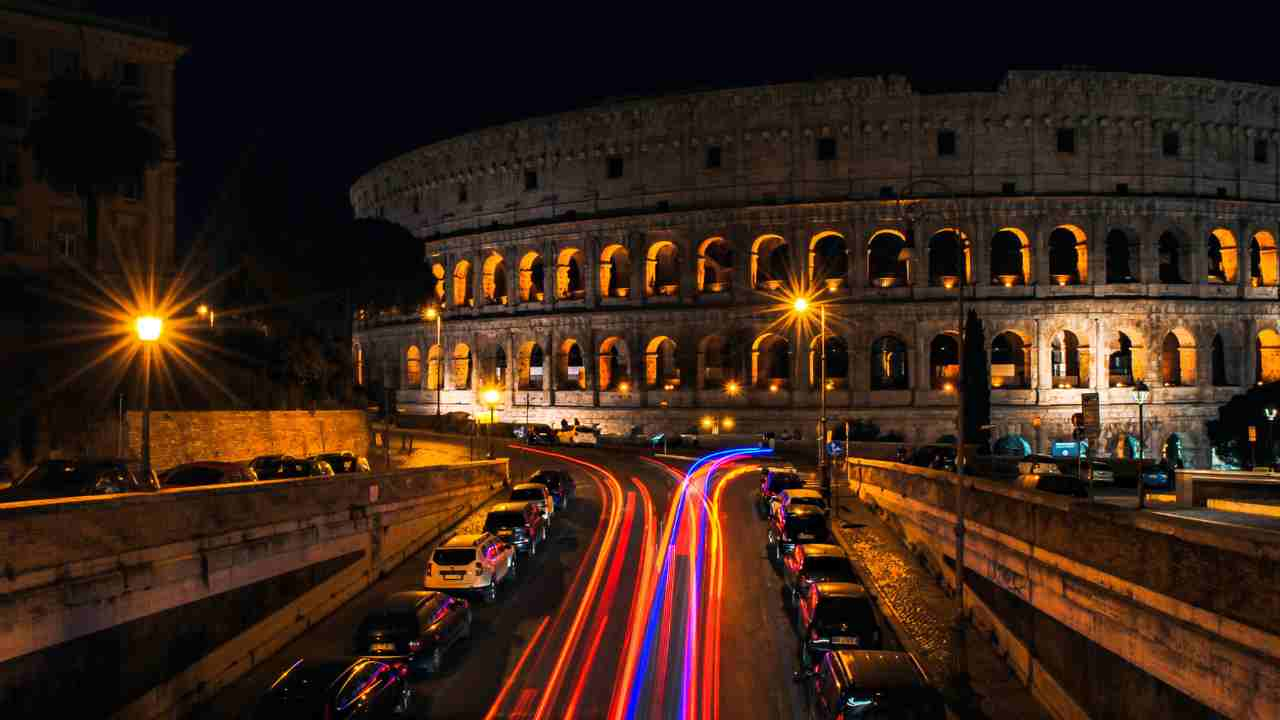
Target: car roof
x,y
515,506
463,540
841,589
526,486
822,549
803,492
406,600
878,669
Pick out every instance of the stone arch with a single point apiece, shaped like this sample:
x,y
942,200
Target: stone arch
x,y
464,295
1069,359
770,262
615,271
494,274
770,361
531,365
436,290
1264,266
887,256
1222,255
569,274
828,260
1122,256
1125,359
1178,358
1173,258
715,265
662,269
1221,376
532,280
500,374
614,363
462,366
1012,445
889,364
1010,361
572,366
837,352
1010,257
435,368
949,260
717,362
661,370
944,362
1068,256
412,366
1267,356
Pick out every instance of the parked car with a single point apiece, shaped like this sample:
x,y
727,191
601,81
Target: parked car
x,y
536,434
808,495
338,689
539,495
474,562
814,563
1055,483
849,684
578,435
666,441
559,482
518,523
270,467
773,480
799,524
206,473
73,478
304,468
344,462
835,615
936,457
417,626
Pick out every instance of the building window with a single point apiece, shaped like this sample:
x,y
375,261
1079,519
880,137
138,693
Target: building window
x,y
462,193
129,74
1171,144
10,113
713,157
1008,188
826,148
530,179
1067,140
8,50
613,167
946,142
64,63
1260,151
887,193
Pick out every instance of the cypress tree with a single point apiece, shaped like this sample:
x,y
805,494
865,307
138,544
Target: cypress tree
x,y
977,382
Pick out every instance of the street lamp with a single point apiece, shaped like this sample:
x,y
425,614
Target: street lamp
x,y
490,398
148,328
432,314
801,306
1141,393
732,388
1269,412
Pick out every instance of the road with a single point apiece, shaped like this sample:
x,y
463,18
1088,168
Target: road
x,y
654,600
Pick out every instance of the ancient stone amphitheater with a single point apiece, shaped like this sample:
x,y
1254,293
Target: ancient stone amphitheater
x,y
632,264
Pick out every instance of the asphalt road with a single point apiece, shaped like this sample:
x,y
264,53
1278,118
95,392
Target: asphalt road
x,y
655,599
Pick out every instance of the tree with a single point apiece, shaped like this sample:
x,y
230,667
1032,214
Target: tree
x,y
1229,434
93,137
977,382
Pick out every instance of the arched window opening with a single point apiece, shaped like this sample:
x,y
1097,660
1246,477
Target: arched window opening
x,y
1178,358
495,280
530,367
573,374
569,275
716,363
1068,256
463,294
461,367
1125,362
1218,363
828,261
1122,257
1069,361
1262,260
357,357
412,366
837,352
1267,348
715,266
889,364
662,272
1172,452
1173,259
436,290
887,257
1010,358
770,362
500,367
661,371
435,368
1010,258
615,365
1222,257
531,278
615,272
770,263
944,363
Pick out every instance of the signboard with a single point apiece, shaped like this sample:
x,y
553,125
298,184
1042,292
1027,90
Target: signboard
x,y
1092,412
1253,433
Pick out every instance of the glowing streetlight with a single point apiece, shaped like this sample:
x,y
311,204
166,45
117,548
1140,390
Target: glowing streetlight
x,y
707,423
800,305
148,329
731,388
726,424
1140,395
202,310
490,398
429,314
624,387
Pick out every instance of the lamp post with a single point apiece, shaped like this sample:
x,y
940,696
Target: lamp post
x,y
491,399
1269,412
148,329
801,305
1141,393
432,313
1035,423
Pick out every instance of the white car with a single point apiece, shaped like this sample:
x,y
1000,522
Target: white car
x,y
474,562
538,494
580,435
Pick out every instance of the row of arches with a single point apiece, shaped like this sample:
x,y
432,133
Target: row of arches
x,y
949,262
766,362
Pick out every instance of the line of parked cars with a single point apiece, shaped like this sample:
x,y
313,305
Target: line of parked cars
x,y
844,667
414,630
543,434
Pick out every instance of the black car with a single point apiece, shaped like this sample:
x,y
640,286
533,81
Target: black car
x,y
814,563
304,468
518,523
416,626
206,473
344,462
852,684
773,480
270,467
795,525
538,434
559,482
338,689
934,457
834,615
74,478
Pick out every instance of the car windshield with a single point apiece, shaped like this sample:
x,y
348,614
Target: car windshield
x,y
340,463
390,622
454,556
844,614
527,494
303,691
551,480
816,502
829,567
814,525
914,704
784,481
60,474
503,520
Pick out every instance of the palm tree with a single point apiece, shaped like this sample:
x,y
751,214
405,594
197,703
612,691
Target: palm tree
x,y
94,136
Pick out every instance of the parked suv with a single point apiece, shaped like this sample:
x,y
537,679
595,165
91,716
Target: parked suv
x,y
418,626
814,563
850,684
270,467
537,494
559,482
344,462
518,523
834,615
72,478
338,689
798,524
799,496
475,562
206,473
774,480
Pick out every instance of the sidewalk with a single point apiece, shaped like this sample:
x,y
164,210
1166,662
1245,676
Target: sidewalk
x,y
921,613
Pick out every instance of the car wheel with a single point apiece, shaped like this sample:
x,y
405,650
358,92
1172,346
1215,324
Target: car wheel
x,y
491,594
436,661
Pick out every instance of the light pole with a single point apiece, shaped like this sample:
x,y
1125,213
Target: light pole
x,y
1269,412
432,313
802,305
1141,393
1035,423
148,329
491,399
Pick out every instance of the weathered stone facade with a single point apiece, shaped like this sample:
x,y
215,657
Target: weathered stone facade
x,y
1107,228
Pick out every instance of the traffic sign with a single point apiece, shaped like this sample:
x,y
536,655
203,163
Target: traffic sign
x,y
1092,414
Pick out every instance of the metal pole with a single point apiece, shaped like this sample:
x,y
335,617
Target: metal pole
x,y
146,413
822,422
489,432
1142,452
120,418
439,370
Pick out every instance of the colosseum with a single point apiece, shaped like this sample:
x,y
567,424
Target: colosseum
x,y
630,264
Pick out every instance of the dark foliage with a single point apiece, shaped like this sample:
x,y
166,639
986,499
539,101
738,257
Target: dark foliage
x,y
1229,434
977,382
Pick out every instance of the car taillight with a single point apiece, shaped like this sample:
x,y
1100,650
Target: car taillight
x,y
479,569
402,669
415,645
428,573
